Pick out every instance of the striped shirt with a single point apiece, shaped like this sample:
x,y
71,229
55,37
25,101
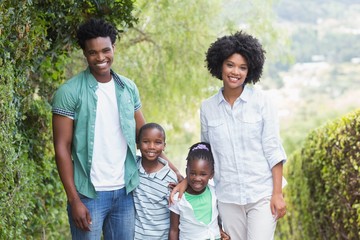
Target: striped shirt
x,y
151,202
245,142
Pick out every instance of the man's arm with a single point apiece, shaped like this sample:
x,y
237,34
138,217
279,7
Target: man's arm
x,y
62,134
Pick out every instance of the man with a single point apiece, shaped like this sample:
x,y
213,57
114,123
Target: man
x,y
96,117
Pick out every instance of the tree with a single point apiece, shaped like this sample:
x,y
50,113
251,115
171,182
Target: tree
x,y
36,38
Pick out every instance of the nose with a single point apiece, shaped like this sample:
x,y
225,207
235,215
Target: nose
x,y
236,71
197,178
100,57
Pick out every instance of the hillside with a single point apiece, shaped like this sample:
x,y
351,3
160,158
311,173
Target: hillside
x,y
323,81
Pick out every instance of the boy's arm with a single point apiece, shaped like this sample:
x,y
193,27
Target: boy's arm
x,y
174,226
180,188
172,166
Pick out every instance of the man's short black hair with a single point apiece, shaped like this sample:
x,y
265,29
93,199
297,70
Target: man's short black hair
x,y
94,28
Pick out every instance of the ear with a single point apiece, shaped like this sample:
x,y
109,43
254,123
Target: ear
x,y
164,146
212,174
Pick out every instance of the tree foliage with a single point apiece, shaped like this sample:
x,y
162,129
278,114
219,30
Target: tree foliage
x,y
36,38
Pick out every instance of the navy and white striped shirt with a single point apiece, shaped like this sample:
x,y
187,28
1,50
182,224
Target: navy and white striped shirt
x,y
151,202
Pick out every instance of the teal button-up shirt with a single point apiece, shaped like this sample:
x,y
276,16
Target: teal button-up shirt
x,y
77,99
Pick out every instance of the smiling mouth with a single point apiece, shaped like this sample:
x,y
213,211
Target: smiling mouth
x,y
101,65
234,79
151,153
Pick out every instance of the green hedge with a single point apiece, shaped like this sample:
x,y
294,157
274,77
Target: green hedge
x,y
36,40
323,193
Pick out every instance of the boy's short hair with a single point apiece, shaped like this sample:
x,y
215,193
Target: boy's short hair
x,y
150,126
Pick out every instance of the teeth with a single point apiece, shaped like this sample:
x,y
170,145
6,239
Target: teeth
x,y
101,64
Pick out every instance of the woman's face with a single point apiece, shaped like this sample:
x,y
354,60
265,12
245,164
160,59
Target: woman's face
x,y
234,71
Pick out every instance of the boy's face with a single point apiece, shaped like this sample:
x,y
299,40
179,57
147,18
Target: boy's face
x,y
198,174
151,144
99,53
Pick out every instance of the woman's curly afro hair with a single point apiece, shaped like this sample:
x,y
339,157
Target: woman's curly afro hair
x,y
94,28
242,43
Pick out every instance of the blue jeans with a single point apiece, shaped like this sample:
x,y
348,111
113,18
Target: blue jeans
x,y
112,213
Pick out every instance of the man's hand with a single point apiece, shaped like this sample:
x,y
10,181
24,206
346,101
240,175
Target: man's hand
x,y
80,215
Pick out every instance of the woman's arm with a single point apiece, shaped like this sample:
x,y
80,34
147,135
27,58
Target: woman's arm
x,y
277,202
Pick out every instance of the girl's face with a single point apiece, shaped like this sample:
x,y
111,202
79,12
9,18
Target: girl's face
x,y
198,173
99,53
234,71
151,144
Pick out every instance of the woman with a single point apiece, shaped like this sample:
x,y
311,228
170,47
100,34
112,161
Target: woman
x,y
241,125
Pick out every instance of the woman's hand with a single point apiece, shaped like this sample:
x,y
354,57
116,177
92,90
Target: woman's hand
x,y
278,206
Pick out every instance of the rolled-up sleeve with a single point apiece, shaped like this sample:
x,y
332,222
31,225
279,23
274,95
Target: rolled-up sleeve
x,y
273,150
63,102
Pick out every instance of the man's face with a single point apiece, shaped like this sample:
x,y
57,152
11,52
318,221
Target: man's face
x,y
99,53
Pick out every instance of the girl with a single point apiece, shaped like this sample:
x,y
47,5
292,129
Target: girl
x,y
195,216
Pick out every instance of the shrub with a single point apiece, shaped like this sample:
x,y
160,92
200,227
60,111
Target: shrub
x,y
324,183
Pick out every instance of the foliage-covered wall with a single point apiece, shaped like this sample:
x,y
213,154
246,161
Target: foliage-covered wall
x,y
36,38
323,193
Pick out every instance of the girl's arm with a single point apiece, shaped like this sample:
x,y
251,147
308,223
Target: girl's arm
x,y
277,203
223,234
174,226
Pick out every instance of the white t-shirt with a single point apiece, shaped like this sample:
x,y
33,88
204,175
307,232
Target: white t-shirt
x,y
110,147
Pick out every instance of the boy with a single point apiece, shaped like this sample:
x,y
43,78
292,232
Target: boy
x,y
151,196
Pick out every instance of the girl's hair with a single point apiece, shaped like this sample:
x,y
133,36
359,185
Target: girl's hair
x,y
94,28
150,126
241,43
201,150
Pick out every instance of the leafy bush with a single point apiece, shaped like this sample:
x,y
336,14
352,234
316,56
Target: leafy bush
x,y
36,39
324,183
